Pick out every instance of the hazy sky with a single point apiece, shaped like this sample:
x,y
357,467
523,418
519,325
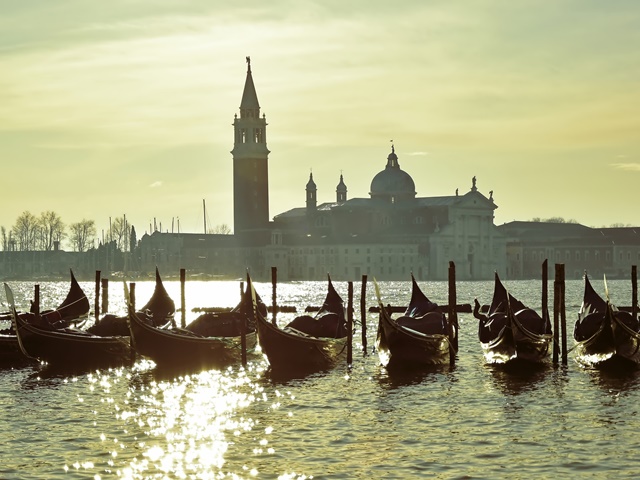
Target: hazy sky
x,y
125,107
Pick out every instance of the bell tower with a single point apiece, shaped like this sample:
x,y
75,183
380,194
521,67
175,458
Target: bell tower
x,y
250,162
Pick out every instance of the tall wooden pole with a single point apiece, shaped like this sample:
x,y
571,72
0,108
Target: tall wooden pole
x,y
183,277
97,304
452,314
563,317
545,290
243,324
36,299
204,215
274,303
105,294
132,296
634,291
556,315
363,313
350,325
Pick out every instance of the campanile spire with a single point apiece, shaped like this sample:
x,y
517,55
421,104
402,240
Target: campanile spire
x,y
250,162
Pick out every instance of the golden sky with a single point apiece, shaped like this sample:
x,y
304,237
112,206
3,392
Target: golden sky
x,y
121,107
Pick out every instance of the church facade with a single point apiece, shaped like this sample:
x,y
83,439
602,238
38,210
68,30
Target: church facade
x,y
391,233
388,234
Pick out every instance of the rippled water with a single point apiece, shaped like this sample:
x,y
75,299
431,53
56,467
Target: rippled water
x,y
469,421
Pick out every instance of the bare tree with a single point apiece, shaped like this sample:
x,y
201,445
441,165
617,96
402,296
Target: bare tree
x,y
52,229
25,231
5,239
82,234
120,232
221,229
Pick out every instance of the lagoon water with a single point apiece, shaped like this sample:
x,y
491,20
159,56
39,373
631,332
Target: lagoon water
x,y
470,421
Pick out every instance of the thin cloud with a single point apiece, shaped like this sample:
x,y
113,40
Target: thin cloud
x,y
156,184
631,167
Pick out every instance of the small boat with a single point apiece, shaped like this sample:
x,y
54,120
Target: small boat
x,y
65,347
213,340
604,334
512,332
421,336
74,308
308,343
160,309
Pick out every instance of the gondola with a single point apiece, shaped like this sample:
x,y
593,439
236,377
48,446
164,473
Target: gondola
x,y
603,334
65,347
308,343
512,332
74,308
213,340
421,336
160,309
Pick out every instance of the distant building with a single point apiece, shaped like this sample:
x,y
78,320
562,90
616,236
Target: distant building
x,y
250,164
392,233
387,235
599,251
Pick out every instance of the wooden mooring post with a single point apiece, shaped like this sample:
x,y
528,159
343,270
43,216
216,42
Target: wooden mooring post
x,y
132,296
545,290
243,338
36,299
363,313
274,298
104,282
350,325
96,308
634,291
452,314
183,279
559,316
563,319
556,315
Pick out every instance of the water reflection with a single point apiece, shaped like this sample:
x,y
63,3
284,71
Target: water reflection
x,y
515,379
390,379
615,380
187,422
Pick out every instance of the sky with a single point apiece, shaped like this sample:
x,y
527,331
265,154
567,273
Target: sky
x,y
125,107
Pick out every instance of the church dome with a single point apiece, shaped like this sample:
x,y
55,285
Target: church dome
x,y
393,183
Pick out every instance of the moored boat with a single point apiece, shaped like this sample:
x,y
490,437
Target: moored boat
x,y
74,308
211,340
512,332
420,337
65,347
159,309
604,334
308,343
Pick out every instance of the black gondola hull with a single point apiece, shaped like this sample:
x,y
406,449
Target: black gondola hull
x,y
286,350
60,348
398,346
512,332
603,334
174,349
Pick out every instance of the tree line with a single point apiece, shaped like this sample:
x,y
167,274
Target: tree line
x,y
47,232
